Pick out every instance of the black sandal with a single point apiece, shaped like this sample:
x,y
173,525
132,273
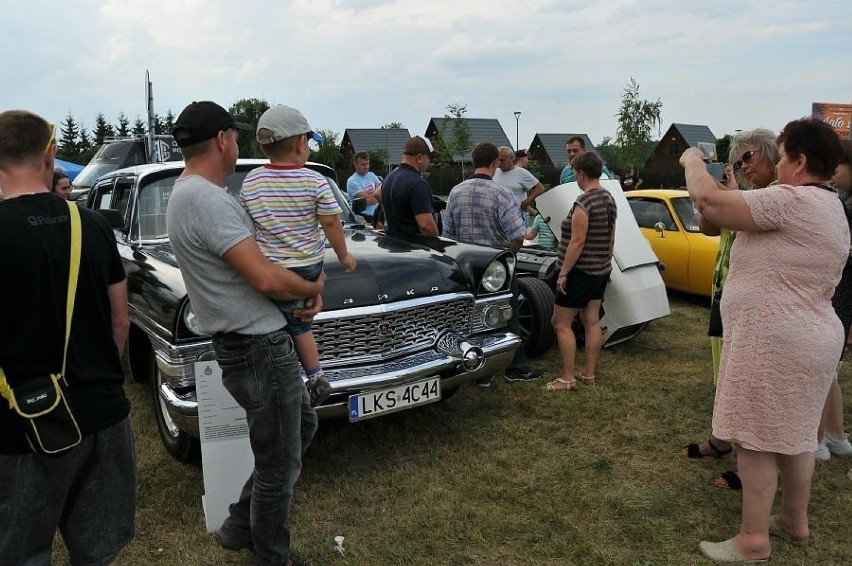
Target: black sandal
x,y
731,479
693,451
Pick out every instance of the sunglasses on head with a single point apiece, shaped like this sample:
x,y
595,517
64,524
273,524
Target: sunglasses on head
x,y
745,159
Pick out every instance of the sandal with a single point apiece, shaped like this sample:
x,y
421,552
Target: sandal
x,y
729,480
692,451
585,380
560,384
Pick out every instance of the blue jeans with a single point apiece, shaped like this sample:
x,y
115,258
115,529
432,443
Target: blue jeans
x,y
296,326
519,362
262,374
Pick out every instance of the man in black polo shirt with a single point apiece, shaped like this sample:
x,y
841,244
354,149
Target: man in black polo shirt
x,y
406,196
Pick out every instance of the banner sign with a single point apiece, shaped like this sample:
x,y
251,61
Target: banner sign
x,y
835,115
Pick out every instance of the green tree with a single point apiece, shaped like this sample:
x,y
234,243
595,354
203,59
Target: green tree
x,y
456,143
636,119
139,128
86,147
328,152
123,127
723,147
69,141
169,122
393,126
249,110
379,160
102,129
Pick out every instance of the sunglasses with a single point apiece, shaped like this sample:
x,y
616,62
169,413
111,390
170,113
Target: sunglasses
x,y
52,138
745,159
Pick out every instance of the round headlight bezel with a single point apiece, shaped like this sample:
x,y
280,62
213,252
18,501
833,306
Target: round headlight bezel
x,y
495,277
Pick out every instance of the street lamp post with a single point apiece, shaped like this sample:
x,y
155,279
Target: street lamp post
x,y
517,121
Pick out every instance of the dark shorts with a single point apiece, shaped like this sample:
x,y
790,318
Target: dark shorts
x,y
580,289
88,493
295,326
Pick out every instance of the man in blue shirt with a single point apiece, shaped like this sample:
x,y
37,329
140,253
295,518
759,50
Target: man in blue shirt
x,y
363,187
575,147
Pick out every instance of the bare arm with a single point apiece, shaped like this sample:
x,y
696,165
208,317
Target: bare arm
x,y
725,209
579,229
531,234
267,278
334,232
516,244
537,190
117,293
426,223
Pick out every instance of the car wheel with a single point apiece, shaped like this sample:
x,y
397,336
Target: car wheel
x,y
535,309
178,443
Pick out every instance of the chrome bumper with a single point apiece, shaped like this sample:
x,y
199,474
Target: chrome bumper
x,y
448,360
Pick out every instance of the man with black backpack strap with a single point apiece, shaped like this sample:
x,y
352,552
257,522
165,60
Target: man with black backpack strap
x,y
92,483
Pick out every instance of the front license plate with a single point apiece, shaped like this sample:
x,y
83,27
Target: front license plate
x,y
393,399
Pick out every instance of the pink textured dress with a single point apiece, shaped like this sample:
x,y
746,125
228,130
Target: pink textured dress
x,y
782,340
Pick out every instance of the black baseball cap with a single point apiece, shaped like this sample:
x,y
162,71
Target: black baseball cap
x,y
201,121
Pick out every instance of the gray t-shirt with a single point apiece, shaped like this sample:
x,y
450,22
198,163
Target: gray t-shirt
x,y
518,180
204,222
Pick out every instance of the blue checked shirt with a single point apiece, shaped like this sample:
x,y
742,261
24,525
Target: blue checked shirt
x,y
479,211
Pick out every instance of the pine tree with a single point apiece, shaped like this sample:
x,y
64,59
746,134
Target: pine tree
x,y
139,126
102,129
123,128
68,145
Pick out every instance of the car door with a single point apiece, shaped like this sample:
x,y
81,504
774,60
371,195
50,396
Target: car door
x,y
702,249
669,242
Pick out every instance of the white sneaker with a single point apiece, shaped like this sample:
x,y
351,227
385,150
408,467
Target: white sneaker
x,y
838,446
822,452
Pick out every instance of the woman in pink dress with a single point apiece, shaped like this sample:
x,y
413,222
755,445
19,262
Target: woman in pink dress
x,y
782,338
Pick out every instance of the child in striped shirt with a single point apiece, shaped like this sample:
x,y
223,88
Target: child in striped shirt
x,y
288,203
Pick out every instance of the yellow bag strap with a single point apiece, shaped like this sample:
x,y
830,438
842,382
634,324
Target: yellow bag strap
x,y
73,273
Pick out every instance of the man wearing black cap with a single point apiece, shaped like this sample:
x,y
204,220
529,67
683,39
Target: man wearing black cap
x,y
406,196
230,283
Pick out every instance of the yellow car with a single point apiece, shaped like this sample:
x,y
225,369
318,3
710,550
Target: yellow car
x,y
669,221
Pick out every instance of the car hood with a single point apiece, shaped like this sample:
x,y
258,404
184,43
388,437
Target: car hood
x,y
388,269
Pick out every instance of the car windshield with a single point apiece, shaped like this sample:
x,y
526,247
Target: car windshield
x,y
154,198
90,173
686,211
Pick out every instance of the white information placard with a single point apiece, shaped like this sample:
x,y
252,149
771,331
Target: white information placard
x,y
226,456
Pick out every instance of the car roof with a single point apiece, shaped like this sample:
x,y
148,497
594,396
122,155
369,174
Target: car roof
x,y
149,168
667,193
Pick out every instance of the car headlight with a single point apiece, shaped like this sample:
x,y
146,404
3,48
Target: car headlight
x,y
495,276
190,320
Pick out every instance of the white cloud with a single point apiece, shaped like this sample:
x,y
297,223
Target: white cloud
x,y
363,63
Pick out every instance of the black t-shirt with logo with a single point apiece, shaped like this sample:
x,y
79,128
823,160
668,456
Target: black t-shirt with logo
x,y
35,243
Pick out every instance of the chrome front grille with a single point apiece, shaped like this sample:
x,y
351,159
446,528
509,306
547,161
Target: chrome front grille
x,y
385,333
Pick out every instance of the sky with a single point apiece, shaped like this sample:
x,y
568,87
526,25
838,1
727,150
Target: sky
x,y
563,64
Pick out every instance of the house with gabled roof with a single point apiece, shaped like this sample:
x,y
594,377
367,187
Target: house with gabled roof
x,y
481,130
388,140
662,169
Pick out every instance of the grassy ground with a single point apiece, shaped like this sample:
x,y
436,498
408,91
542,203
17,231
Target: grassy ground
x,y
510,475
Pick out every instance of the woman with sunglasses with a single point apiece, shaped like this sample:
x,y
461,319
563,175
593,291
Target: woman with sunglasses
x,y
753,154
782,338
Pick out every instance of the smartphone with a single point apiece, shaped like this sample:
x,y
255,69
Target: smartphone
x,y
717,171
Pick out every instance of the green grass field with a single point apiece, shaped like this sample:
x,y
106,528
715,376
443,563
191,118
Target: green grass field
x,y
510,475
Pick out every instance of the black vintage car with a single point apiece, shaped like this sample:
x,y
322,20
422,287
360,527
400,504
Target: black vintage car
x,y
426,310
